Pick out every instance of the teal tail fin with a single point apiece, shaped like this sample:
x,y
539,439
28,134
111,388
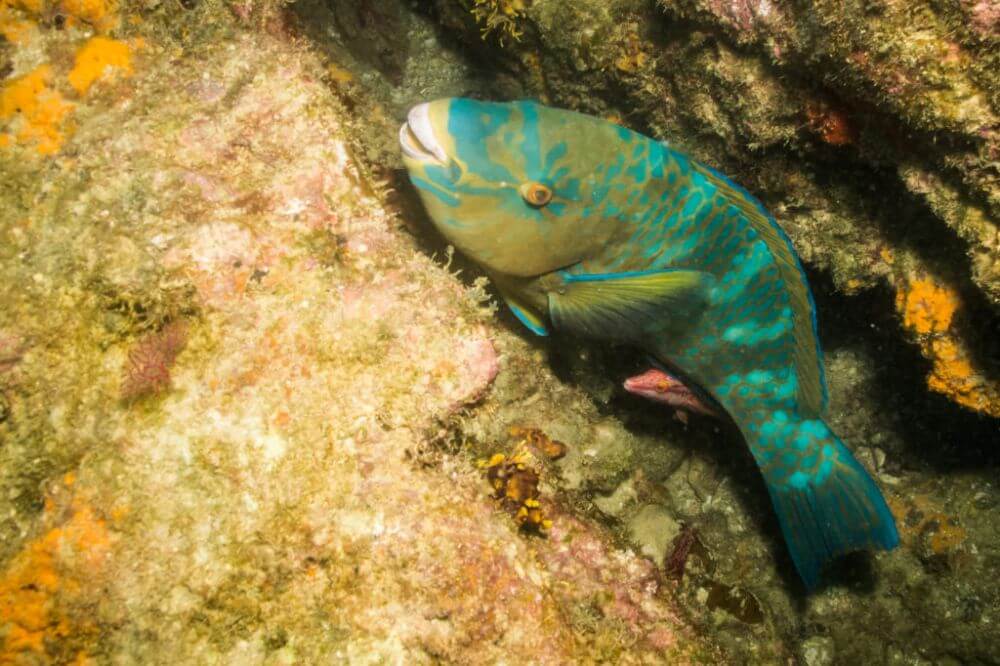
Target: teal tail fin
x,y
827,504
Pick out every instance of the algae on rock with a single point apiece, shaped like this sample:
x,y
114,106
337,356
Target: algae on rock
x,y
304,487
875,154
227,375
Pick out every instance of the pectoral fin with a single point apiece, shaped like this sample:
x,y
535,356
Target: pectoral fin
x,y
628,307
524,312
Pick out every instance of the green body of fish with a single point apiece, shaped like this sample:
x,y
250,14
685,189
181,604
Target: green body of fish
x,y
594,230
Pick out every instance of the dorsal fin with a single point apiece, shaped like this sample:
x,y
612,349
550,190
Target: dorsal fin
x,y
812,396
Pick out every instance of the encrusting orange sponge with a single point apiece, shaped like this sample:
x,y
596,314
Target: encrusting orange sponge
x,y
928,308
95,58
34,110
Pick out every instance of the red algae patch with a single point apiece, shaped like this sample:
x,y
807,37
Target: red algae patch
x,y
831,125
147,371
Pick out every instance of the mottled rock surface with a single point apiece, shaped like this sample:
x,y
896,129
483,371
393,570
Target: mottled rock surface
x,y
226,373
870,130
244,390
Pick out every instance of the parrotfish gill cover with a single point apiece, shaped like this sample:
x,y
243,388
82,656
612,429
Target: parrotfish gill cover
x,y
594,230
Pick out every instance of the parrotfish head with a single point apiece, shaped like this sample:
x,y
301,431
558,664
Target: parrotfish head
x,y
511,185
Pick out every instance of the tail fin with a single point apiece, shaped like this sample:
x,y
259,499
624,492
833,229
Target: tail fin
x,y
827,504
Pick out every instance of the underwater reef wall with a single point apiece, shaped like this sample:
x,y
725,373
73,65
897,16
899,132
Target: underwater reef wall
x,y
871,129
252,412
906,301
225,374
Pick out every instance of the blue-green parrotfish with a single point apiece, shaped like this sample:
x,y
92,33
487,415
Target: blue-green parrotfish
x,y
591,229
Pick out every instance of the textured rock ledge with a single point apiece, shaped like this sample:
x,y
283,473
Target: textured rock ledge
x,y
224,371
668,488
208,451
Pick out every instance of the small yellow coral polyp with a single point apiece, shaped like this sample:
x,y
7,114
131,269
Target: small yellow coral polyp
x,y
34,111
102,15
96,58
99,13
15,32
30,7
926,306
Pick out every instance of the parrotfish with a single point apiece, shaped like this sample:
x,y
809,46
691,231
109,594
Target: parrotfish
x,y
590,229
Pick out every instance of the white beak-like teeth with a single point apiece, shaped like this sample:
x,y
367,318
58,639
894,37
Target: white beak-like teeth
x,y
411,147
419,127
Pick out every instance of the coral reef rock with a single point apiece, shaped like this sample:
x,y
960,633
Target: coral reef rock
x,y
226,375
244,388
870,130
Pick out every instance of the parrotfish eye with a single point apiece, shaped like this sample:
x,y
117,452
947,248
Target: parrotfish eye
x,y
536,194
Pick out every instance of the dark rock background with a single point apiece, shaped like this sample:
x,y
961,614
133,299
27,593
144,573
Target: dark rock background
x,y
870,129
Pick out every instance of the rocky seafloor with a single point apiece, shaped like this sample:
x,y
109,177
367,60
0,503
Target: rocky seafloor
x,y
252,410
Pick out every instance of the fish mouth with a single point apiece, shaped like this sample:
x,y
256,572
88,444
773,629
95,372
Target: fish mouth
x,y
416,137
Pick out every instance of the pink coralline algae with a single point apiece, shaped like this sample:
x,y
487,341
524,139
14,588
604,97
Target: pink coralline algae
x,y
985,15
147,371
574,552
12,348
744,15
478,366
